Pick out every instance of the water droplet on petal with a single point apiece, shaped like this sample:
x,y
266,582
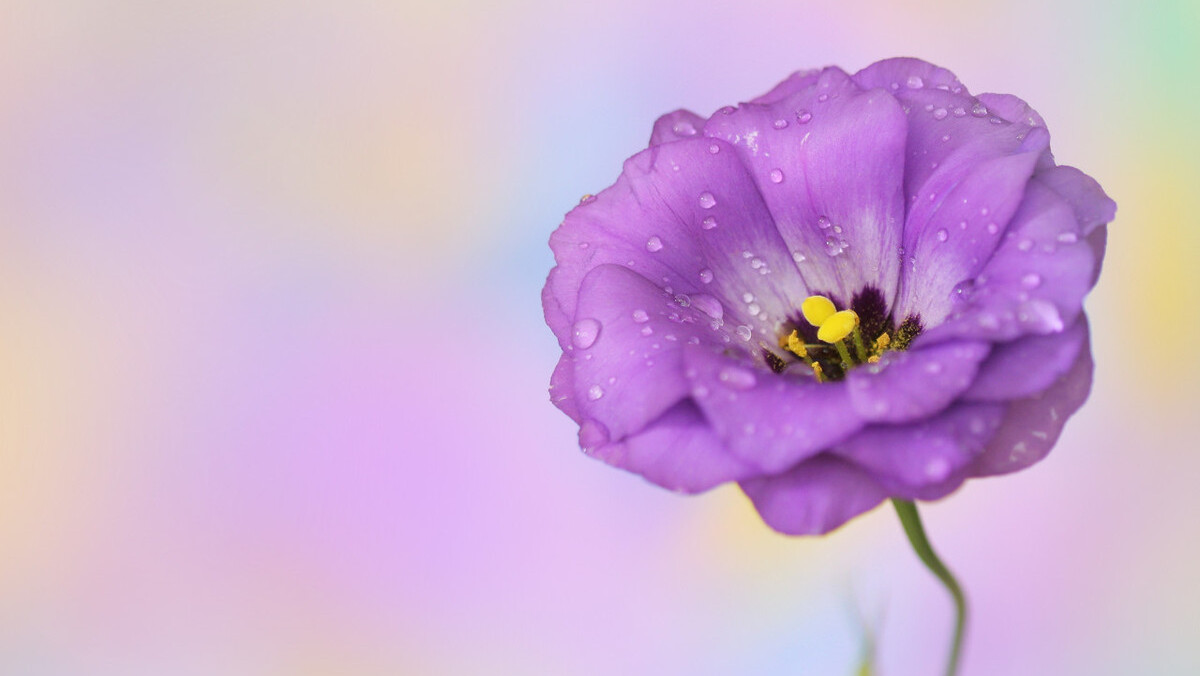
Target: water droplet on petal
x,y
684,300
714,148
640,316
748,297
823,223
798,257
707,201
933,367
915,82
737,378
940,113
584,333
776,176
992,228
708,223
647,330
780,124
1068,237
979,110
834,246
706,276
988,321
803,116
1031,281
753,309
1025,244
943,235
595,392
959,112
744,332
654,244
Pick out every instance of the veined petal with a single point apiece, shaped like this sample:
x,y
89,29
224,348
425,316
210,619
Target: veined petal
x,y
815,496
679,451
829,161
769,420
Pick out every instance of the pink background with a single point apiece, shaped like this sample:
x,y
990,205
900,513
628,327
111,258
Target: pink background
x,y
273,369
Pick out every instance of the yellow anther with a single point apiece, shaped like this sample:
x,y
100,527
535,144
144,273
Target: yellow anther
x,y
816,366
882,342
873,359
837,326
795,345
817,309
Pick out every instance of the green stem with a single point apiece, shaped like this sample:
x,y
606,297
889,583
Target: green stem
x,y
911,521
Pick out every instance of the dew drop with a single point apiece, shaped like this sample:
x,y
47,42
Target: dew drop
x,y
798,257
940,113
1025,244
834,246
823,223
1067,237
737,378
714,148
753,309
823,97
654,244
595,392
748,297
959,112
933,367
780,124
915,82
992,228
584,333
776,176
744,332
647,330
979,110
707,201
943,235
1031,281
640,316
708,223
684,300
803,116
588,198
706,276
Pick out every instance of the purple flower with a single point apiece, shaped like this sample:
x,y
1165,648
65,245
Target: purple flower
x,y
938,218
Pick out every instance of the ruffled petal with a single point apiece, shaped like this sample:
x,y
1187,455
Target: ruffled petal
x,y
1035,281
679,451
676,125
1032,425
770,420
628,349
1028,365
814,497
909,457
693,219
829,160
798,81
914,384
960,234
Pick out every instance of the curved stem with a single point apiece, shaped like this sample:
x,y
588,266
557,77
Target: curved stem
x,y
907,511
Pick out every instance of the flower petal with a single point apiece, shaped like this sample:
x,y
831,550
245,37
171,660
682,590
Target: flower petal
x,y
916,383
1031,425
676,125
814,497
679,451
1035,281
629,366
562,387
1028,365
798,81
959,234
829,160
770,420
908,457
691,218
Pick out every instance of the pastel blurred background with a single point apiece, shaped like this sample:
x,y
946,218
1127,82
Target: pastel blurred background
x,y
273,369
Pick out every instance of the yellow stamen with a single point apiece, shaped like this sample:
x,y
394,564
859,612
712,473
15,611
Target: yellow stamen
x,y
873,359
882,342
795,345
817,309
847,361
837,326
816,366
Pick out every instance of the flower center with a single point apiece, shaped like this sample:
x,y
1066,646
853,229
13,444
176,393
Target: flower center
x,y
830,342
